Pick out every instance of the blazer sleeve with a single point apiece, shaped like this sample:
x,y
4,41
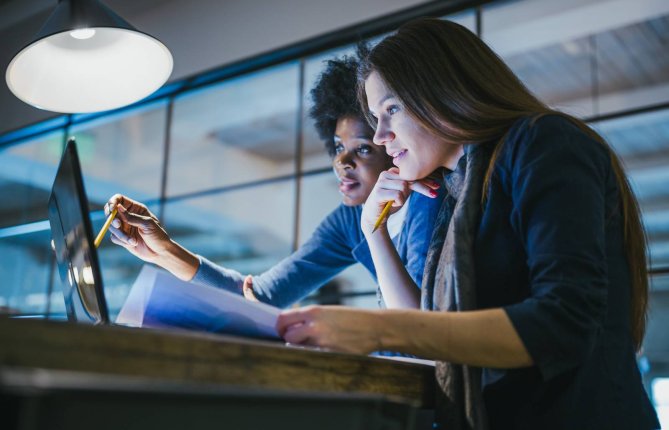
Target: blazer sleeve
x,y
557,177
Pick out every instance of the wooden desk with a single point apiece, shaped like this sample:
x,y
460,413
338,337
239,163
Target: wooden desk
x,y
207,358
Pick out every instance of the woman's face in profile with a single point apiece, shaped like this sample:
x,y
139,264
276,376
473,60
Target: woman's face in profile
x,y
414,149
357,161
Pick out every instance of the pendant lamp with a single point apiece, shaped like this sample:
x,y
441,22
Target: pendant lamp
x,y
86,59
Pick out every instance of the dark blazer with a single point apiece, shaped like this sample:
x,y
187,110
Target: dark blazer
x,y
550,252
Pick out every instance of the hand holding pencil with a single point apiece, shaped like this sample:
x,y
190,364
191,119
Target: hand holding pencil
x,y
389,195
136,228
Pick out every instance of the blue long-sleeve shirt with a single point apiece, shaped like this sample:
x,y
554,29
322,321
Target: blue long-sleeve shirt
x,y
550,252
337,243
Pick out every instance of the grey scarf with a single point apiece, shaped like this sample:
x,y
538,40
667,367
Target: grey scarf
x,y
449,285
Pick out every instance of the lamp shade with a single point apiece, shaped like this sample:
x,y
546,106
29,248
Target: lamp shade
x,y
88,59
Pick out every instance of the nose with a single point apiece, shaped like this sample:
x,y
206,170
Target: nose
x,y
344,160
383,135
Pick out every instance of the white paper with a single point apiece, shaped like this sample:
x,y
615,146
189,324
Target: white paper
x,y
158,299
413,360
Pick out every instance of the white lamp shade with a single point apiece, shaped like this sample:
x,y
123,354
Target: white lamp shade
x,y
67,73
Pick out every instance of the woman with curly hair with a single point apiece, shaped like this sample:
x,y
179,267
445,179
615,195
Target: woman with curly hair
x,y
338,241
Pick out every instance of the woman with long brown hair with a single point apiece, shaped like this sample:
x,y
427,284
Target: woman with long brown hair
x,y
537,266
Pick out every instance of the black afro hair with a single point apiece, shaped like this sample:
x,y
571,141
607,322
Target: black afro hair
x,y
335,96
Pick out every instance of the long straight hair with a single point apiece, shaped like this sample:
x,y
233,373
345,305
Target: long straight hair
x,y
456,87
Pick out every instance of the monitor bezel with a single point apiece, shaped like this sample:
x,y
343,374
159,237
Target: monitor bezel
x,y
71,156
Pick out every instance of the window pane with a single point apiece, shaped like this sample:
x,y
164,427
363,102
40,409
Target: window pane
x,y
632,62
657,337
642,141
584,66
123,153
248,230
241,130
549,53
27,170
26,269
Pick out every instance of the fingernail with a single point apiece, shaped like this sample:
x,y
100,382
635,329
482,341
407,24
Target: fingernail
x,y
436,184
433,193
116,223
132,241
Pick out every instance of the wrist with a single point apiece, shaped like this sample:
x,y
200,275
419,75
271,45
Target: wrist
x,y
380,236
179,261
389,338
402,331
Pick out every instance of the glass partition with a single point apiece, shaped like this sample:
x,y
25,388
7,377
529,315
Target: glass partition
x,y
27,170
27,271
238,131
123,153
248,229
581,65
642,142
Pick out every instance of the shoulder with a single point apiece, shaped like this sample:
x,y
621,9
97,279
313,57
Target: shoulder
x,y
342,225
539,137
342,217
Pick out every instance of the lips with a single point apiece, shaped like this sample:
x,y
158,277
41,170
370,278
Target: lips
x,y
397,155
347,184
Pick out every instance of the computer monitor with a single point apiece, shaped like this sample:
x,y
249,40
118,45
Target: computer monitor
x,y
73,238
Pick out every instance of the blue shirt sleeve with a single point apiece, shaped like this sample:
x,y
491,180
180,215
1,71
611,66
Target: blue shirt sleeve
x,y
417,233
323,256
557,178
213,275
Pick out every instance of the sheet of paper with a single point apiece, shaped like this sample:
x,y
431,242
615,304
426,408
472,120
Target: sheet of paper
x,y
158,299
413,360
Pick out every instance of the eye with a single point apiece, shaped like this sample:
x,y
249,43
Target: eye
x,y
364,149
338,148
393,109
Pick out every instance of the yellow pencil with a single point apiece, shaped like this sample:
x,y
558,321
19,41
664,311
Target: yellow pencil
x,y
384,214
101,235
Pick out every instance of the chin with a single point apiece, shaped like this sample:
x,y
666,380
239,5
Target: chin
x,y
346,201
409,174
352,201
414,173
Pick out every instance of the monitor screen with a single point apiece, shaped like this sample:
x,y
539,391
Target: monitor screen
x,y
72,236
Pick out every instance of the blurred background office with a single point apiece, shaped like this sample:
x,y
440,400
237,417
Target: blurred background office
x,y
226,156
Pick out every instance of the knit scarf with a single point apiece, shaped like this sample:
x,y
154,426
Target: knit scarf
x,y
449,285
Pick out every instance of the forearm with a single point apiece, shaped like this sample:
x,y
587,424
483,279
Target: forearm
x,y
483,338
179,261
398,289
